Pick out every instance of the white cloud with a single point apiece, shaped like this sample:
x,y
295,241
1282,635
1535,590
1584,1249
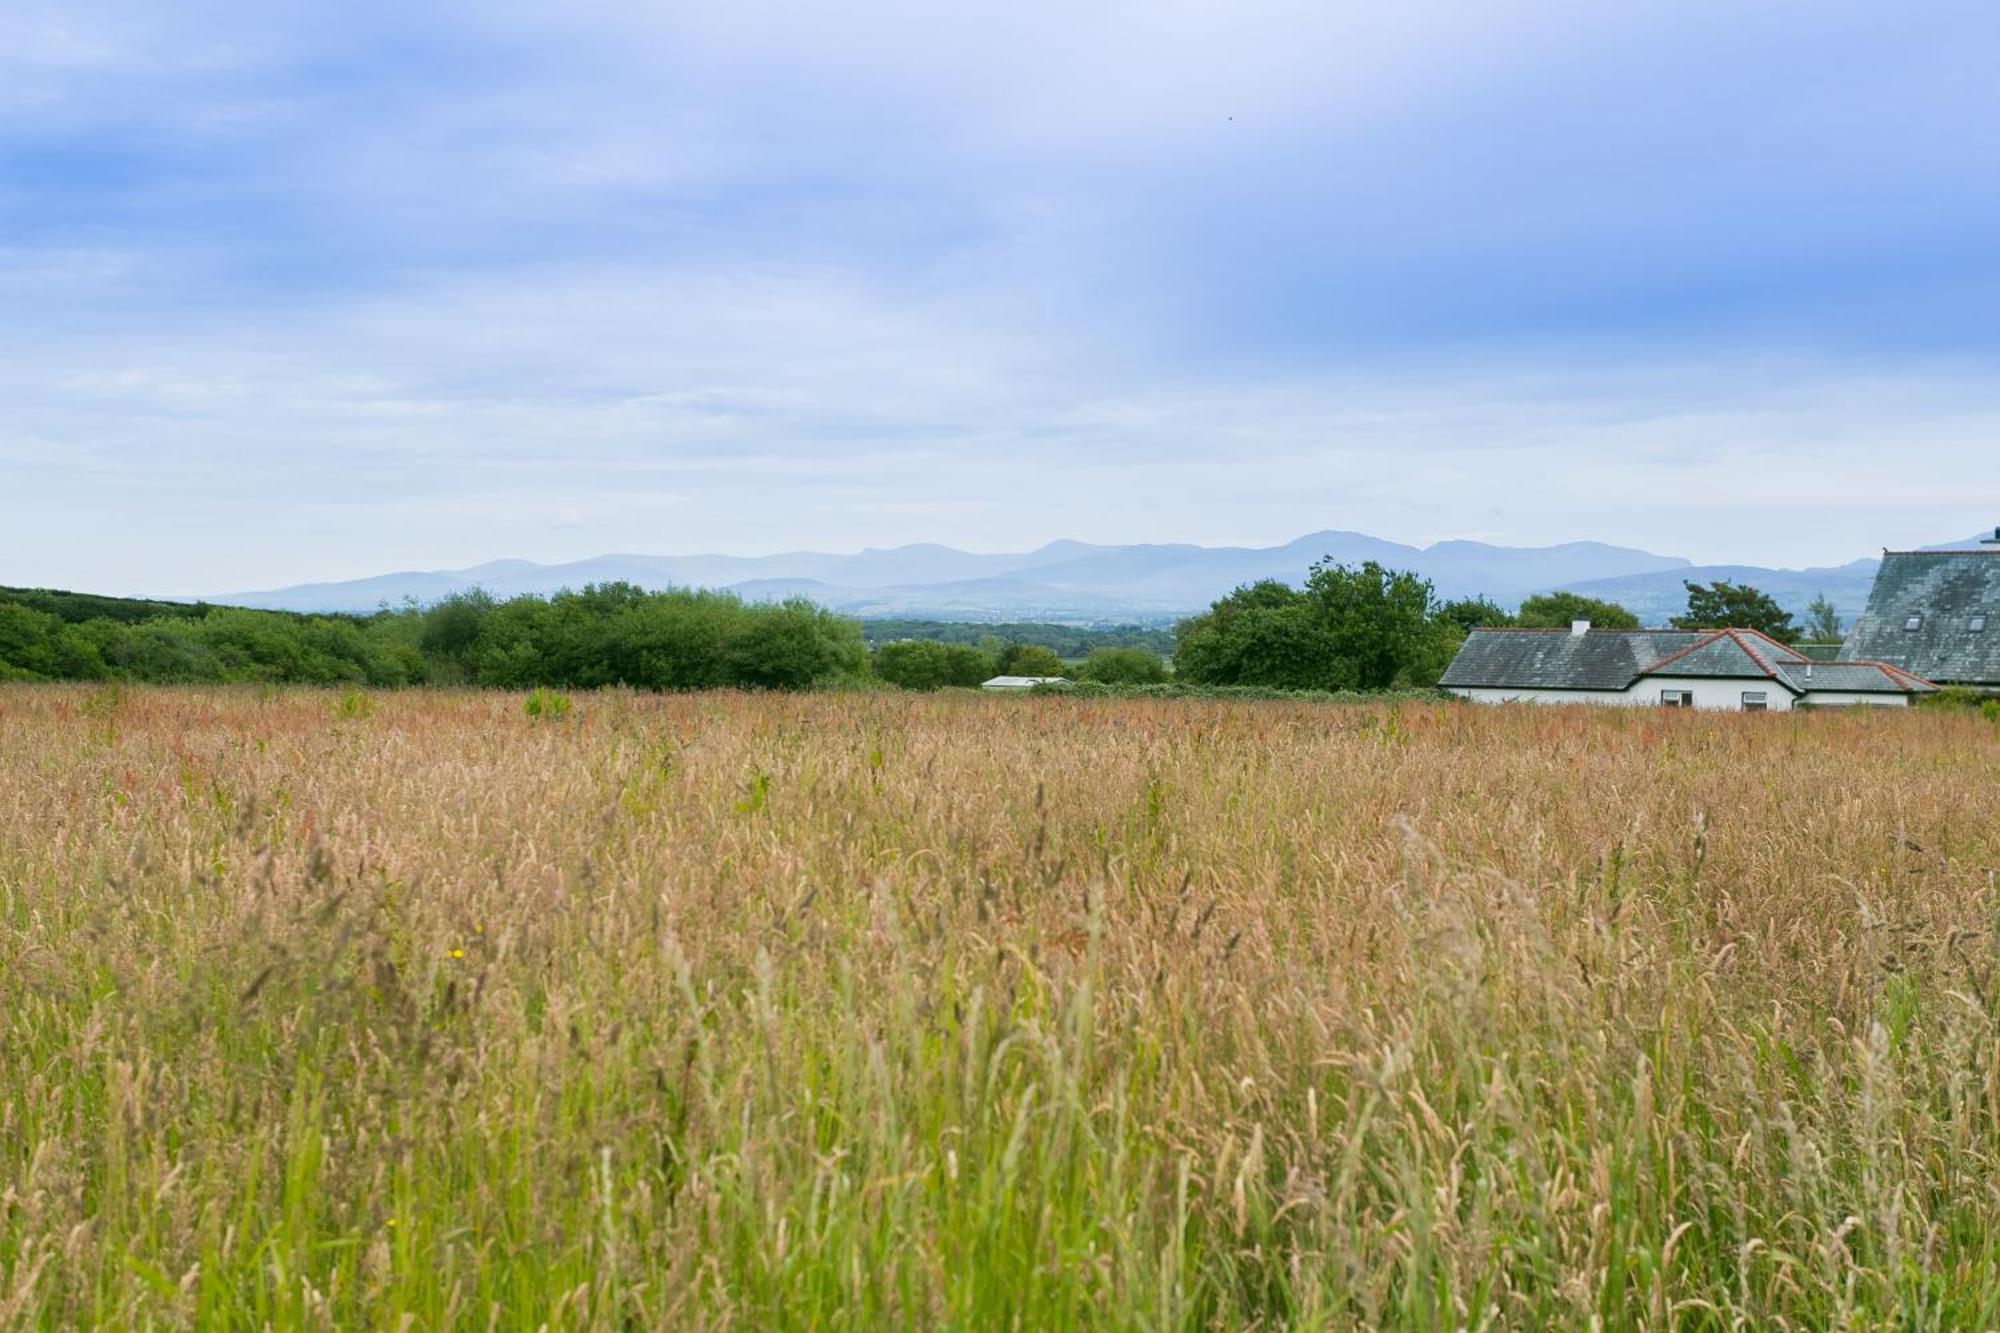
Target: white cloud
x,y
768,409
315,290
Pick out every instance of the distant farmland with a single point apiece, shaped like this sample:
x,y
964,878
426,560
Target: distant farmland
x,y
880,1011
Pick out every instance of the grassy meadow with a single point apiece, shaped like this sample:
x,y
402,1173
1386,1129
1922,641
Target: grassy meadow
x,y
893,1012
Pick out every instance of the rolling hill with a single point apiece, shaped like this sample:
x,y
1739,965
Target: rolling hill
x,y
1080,583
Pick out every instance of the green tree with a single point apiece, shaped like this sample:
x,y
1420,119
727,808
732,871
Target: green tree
x,y
1366,628
1261,634
920,664
27,643
1470,613
1556,610
1822,621
1725,605
1028,659
1378,619
451,627
1124,666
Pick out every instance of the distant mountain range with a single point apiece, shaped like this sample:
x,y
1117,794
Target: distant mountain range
x,y
1075,582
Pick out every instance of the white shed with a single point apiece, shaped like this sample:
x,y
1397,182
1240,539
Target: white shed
x,y
1022,682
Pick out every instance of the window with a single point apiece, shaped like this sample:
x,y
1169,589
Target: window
x,y
1754,701
1978,625
1677,698
1915,622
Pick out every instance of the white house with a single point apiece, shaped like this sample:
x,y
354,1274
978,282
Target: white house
x,y
1022,682
1736,669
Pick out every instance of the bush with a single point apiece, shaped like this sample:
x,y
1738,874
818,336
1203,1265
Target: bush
x,y
1123,666
919,664
546,704
1029,659
1956,698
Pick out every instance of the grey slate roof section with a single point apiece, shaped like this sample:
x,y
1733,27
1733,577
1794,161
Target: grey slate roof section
x,y
1555,659
1722,657
1851,678
1611,660
1946,588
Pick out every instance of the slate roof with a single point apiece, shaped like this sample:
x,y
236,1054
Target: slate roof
x,y
1555,659
1611,660
1947,589
1853,678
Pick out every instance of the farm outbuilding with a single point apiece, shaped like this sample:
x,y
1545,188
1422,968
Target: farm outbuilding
x,y
1022,682
1734,669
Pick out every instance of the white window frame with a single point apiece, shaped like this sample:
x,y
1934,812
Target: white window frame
x,y
1912,624
1677,698
1756,701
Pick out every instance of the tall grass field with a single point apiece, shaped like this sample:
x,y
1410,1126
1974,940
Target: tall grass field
x,y
433,1011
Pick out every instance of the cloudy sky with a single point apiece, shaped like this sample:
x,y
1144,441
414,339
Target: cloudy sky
x,y
313,290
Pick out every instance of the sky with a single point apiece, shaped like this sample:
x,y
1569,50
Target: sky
x,y
296,291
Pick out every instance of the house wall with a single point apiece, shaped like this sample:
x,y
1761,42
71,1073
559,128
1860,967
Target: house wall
x,y
1709,693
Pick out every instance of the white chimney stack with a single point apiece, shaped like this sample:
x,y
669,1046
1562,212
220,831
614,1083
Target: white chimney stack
x,y
1577,627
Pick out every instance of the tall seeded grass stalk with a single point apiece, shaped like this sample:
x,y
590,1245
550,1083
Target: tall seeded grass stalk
x,y
868,1012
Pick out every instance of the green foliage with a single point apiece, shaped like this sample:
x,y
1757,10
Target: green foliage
x,y
1348,629
920,664
1466,614
1725,605
1178,688
1065,641
1556,610
546,704
1957,699
614,634
1030,659
1822,621
354,706
1121,666
77,607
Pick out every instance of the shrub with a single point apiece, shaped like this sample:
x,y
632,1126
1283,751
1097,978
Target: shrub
x,y
1029,659
919,664
546,704
1123,666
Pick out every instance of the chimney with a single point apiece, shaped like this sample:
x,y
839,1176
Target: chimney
x,y
1577,627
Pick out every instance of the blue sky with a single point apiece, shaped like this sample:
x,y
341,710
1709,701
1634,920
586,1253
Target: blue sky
x,y
296,291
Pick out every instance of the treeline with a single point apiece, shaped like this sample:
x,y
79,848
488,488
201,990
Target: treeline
x,y
613,634
1345,629
610,634
1070,642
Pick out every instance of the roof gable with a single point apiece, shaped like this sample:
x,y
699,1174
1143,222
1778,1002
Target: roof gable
x,y
1722,654
1944,590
